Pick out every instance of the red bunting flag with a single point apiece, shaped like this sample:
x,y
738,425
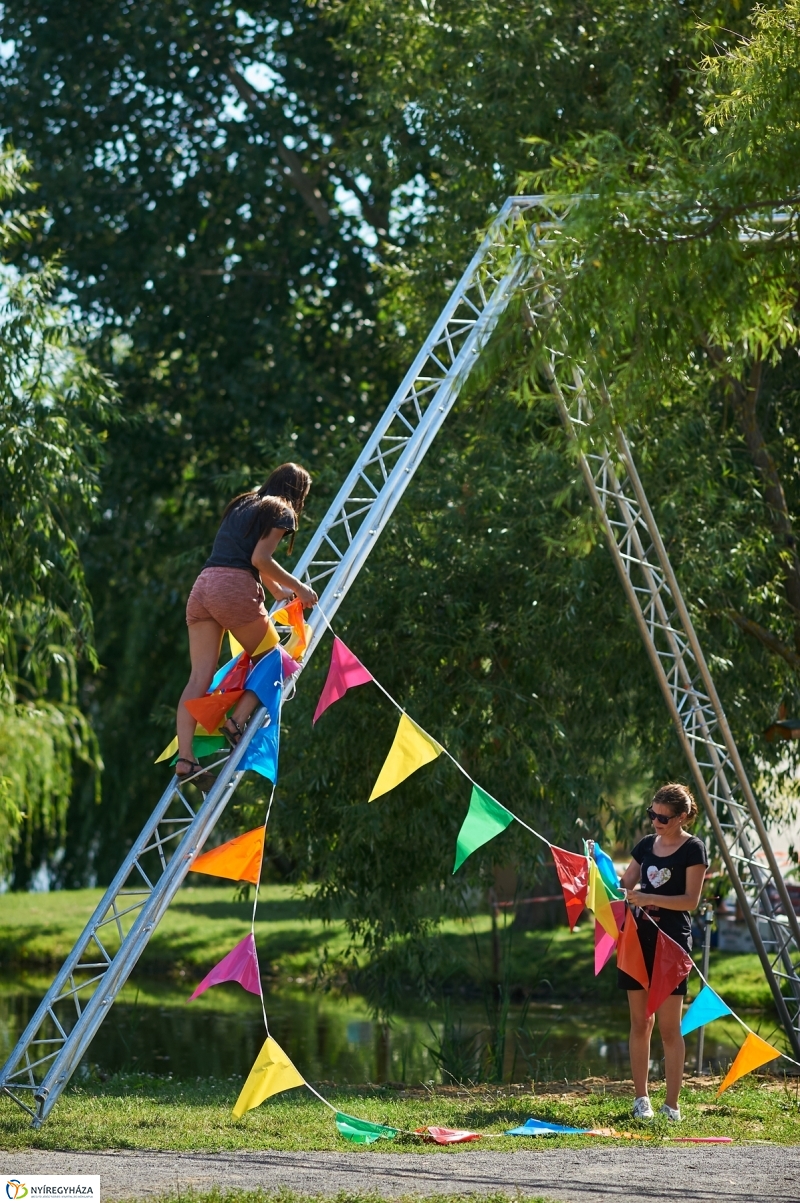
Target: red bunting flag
x,y
236,676
670,967
573,873
630,958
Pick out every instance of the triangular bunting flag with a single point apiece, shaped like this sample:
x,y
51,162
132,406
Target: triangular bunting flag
x,y
597,900
262,753
236,675
266,681
205,745
271,1073
170,751
630,958
239,859
608,873
290,666
361,1131
707,1007
292,615
573,873
210,710
753,1053
485,819
240,965
539,1127
345,672
604,945
670,967
411,749
448,1136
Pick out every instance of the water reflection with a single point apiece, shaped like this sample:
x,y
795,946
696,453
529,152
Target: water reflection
x,y
153,1029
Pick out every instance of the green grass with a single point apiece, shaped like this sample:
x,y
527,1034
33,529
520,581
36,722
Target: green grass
x,y
204,922
139,1112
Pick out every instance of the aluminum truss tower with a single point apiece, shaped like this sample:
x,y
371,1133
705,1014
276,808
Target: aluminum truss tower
x,y
508,260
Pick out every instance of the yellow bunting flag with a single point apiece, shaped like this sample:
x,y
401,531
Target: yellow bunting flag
x,y
412,748
271,1073
754,1052
168,752
597,900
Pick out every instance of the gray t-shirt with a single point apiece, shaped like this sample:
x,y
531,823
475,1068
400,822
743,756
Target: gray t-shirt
x,y
240,531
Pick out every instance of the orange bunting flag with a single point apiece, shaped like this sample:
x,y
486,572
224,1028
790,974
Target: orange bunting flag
x,y
292,616
754,1052
573,873
238,860
630,958
210,710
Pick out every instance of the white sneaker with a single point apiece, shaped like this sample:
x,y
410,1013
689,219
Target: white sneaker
x,y
642,1108
671,1113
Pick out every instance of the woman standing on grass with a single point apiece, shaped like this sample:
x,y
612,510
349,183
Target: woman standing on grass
x,y
228,595
665,880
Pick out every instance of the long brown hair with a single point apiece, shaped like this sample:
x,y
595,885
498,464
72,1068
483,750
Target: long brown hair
x,y
290,484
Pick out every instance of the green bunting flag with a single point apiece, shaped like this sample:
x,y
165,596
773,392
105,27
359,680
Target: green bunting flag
x,y
361,1131
485,819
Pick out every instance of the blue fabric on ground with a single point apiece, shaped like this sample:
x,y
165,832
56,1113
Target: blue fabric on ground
x,y
538,1127
266,681
707,1006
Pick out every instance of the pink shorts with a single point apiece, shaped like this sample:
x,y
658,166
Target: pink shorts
x,y
230,596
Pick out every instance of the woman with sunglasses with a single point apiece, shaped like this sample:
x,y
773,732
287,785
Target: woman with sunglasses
x,y
663,884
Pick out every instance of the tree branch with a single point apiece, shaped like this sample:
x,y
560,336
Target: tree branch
x,y
770,641
744,398
293,163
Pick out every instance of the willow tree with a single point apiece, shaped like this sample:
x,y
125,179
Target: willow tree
x,y
53,409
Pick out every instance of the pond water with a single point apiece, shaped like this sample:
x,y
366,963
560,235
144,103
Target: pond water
x,y
153,1029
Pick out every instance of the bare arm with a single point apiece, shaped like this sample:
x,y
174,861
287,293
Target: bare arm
x,y
276,577
671,902
631,876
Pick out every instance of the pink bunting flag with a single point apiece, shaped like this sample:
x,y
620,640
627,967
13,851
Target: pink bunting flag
x,y
240,965
448,1136
618,911
290,666
604,945
346,671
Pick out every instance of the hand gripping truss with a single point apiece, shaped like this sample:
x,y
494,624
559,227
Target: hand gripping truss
x,y
508,261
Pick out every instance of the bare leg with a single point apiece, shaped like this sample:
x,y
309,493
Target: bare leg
x,y
205,640
669,1027
641,1031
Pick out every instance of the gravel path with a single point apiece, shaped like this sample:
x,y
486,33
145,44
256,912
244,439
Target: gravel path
x,y
604,1175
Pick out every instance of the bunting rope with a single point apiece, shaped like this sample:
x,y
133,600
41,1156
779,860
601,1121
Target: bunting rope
x,y
588,880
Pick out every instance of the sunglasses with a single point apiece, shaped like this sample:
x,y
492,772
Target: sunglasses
x,y
657,818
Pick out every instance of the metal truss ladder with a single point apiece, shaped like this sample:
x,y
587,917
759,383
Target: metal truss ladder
x,y
58,1035
97,968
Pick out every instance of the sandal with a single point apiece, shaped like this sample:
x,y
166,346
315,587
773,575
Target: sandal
x,y
197,775
232,737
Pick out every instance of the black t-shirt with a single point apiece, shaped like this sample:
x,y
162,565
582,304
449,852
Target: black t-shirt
x,y
239,532
667,875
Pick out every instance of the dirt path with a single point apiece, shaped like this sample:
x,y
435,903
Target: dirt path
x,y
603,1175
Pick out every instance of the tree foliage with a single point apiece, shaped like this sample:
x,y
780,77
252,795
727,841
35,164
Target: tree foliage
x,y
263,208
53,410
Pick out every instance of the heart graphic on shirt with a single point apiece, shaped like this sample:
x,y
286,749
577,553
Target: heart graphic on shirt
x,y
658,877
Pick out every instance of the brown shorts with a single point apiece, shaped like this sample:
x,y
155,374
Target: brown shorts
x,y
230,596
